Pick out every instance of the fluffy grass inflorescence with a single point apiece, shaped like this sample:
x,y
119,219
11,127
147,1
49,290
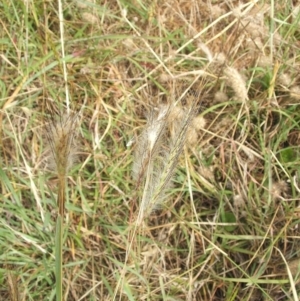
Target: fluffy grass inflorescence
x,y
150,140
237,83
61,134
157,154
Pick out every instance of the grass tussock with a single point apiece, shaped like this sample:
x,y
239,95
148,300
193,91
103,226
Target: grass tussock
x,y
180,181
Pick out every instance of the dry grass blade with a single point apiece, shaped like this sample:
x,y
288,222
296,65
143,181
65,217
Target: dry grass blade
x,y
12,284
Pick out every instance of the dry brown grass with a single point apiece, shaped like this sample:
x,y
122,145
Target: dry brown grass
x,y
232,213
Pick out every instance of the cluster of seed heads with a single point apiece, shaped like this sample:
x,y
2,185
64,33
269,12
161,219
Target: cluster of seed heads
x,y
157,153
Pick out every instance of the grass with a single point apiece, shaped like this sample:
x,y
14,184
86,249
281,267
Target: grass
x,y
229,227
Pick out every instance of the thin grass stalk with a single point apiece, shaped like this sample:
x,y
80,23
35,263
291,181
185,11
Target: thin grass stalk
x,y
62,43
59,258
61,196
61,199
291,279
12,285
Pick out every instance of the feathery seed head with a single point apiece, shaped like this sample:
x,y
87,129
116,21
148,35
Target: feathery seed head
x,y
206,50
207,172
238,201
176,113
278,189
237,12
192,136
295,12
295,92
128,43
198,123
217,11
157,154
253,29
90,18
149,140
285,79
156,125
164,78
218,62
81,4
61,136
236,82
219,58
220,97
264,61
254,45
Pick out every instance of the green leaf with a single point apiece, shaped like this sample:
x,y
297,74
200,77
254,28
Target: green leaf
x,y
228,217
287,155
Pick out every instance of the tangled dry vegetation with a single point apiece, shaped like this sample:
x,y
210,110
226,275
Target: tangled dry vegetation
x,y
226,225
